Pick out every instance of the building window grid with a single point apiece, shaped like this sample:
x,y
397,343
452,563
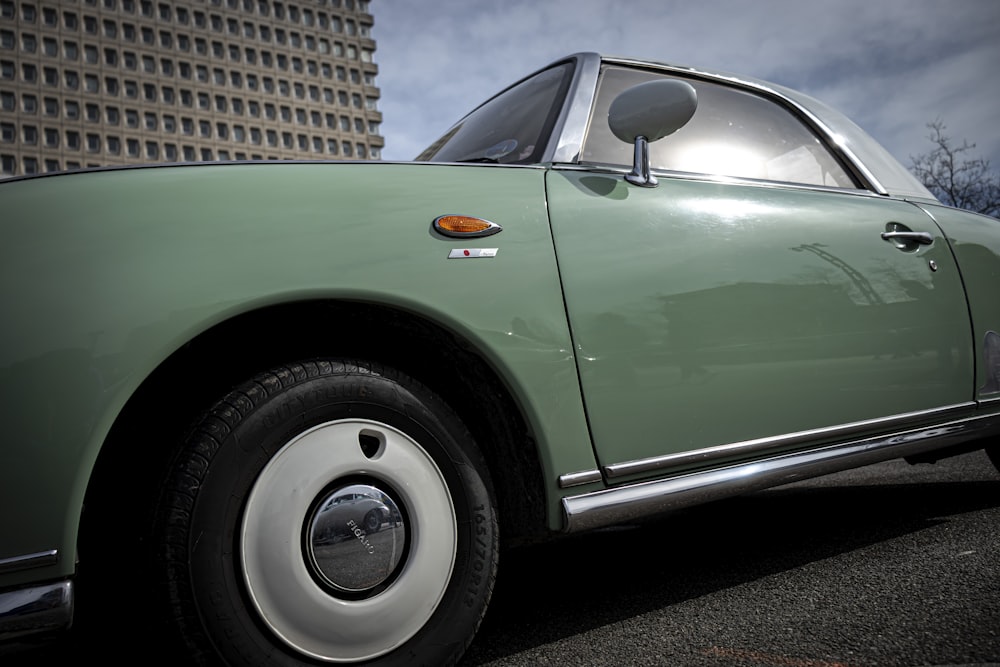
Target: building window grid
x,y
303,78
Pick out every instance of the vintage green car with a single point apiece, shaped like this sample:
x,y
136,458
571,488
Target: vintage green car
x,y
615,289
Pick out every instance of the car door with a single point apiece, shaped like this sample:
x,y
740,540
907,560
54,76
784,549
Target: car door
x,y
757,308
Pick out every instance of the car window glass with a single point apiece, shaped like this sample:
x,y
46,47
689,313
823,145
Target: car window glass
x,y
733,133
511,128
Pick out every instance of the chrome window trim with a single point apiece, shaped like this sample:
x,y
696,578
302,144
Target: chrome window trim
x,y
713,178
845,154
838,148
633,501
759,446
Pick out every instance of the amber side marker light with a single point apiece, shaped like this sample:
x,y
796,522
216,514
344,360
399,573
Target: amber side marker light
x,y
465,226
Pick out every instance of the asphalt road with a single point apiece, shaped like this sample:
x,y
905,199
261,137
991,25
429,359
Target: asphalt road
x,y
888,565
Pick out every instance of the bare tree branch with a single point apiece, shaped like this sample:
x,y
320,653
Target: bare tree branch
x,y
956,177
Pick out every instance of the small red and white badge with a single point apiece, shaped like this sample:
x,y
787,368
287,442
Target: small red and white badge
x,y
472,253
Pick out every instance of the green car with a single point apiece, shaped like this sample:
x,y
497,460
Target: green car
x,y
290,412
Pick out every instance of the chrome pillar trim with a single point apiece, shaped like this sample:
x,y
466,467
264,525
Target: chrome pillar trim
x,y
627,503
29,561
579,478
35,609
762,445
571,126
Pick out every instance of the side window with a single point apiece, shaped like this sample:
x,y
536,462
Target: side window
x,y
733,133
511,128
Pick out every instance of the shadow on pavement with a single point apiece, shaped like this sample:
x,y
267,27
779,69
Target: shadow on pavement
x,y
549,592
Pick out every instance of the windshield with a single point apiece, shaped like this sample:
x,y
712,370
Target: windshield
x,y
511,128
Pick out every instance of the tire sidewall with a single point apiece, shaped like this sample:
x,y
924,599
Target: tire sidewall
x,y
217,584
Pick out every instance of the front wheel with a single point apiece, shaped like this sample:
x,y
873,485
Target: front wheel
x,y
272,523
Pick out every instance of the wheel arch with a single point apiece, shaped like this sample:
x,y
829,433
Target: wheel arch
x,y
143,438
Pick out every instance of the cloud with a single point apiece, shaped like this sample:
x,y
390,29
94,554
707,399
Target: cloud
x,y
892,65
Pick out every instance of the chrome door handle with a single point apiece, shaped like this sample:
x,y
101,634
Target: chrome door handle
x,y
923,238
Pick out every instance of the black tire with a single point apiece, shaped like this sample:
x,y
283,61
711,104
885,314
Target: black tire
x,y
245,529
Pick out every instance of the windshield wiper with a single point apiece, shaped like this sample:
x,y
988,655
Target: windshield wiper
x,y
484,159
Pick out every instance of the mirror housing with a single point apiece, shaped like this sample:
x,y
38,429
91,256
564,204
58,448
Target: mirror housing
x,y
648,112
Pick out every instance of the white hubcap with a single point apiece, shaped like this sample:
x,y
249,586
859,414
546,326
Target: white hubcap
x,y
280,540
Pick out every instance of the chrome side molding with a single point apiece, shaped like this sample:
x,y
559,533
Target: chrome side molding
x,y
36,609
761,446
579,478
633,501
28,561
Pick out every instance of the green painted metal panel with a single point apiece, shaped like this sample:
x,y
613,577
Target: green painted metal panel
x,y
103,275
975,240
708,313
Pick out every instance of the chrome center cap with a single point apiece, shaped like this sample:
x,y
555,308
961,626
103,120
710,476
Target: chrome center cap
x,y
356,538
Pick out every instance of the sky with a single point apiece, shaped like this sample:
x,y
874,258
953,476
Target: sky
x,y
892,66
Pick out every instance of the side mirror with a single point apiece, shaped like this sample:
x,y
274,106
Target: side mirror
x,y
648,112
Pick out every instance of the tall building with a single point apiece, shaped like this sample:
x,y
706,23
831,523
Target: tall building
x,y
108,82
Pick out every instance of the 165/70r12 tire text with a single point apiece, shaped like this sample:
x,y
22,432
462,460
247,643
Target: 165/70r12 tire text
x,y
329,511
